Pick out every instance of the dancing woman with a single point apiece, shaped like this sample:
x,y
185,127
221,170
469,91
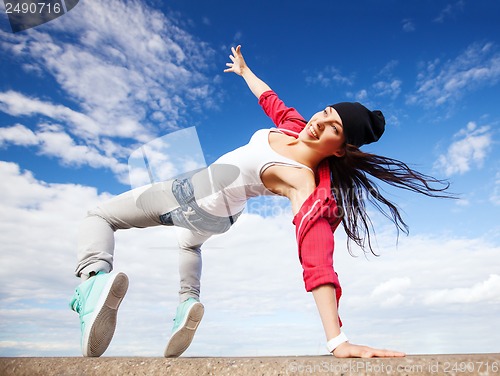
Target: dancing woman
x,y
316,164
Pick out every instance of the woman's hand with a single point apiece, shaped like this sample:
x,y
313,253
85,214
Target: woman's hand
x,y
238,64
349,350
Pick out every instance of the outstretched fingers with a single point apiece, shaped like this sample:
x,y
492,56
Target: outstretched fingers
x,y
237,63
237,50
233,59
349,350
369,352
230,67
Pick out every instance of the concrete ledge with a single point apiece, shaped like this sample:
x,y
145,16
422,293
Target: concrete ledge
x,y
474,364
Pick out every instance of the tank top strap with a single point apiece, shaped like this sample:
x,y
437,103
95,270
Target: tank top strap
x,y
276,159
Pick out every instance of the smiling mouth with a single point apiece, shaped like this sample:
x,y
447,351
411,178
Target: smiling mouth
x,y
313,132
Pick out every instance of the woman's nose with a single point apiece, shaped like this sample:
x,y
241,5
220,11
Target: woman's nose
x,y
320,125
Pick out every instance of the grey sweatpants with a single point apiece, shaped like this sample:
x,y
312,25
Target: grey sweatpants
x,y
138,208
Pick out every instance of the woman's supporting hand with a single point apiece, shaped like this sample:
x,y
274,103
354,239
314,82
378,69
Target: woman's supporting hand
x,y
349,350
324,296
239,66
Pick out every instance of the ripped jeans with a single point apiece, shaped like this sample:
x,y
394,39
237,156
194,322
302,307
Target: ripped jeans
x,y
189,215
167,203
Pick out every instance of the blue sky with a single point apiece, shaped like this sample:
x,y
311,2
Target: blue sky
x,y
79,94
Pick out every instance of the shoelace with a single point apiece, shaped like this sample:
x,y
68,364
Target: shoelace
x,y
76,305
76,302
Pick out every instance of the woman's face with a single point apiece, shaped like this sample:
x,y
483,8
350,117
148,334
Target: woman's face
x,y
324,132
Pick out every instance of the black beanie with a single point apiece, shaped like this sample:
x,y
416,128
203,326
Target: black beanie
x,y
361,126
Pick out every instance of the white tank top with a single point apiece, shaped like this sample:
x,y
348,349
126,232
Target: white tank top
x,y
236,176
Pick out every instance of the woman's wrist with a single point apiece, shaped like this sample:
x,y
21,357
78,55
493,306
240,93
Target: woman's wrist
x,y
335,342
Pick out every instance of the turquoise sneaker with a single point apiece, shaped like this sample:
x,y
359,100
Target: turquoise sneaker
x,y
187,319
96,301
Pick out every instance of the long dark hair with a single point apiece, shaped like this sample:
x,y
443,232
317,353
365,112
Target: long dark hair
x,y
351,185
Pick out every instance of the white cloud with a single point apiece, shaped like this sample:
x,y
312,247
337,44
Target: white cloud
x,y
38,227
124,70
17,135
388,84
485,291
450,11
18,104
327,77
470,148
399,290
388,88
387,70
59,144
390,293
52,141
439,83
495,195
361,95
252,285
392,286
408,25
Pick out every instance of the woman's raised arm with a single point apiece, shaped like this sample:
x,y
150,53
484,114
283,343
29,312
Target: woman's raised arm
x,y
239,66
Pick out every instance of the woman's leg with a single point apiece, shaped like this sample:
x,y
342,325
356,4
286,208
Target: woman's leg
x,y
97,299
190,263
190,310
137,208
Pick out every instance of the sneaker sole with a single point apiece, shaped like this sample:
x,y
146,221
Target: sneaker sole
x,y
104,323
183,337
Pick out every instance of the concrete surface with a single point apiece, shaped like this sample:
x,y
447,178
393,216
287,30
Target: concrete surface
x,y
452,365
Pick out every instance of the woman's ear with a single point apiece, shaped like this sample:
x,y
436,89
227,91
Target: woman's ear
x,y
340,152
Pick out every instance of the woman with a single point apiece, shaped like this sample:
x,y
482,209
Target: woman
x,y
317,165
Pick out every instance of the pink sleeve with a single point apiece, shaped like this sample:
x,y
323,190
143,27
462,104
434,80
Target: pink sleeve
x,y
316,257
285,118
